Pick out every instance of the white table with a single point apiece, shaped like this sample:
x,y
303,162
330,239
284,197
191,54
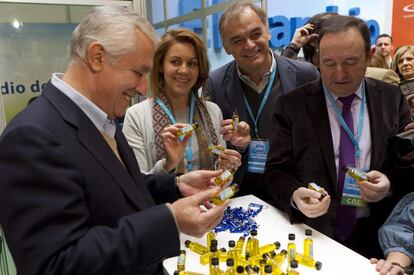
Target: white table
x,y
274,226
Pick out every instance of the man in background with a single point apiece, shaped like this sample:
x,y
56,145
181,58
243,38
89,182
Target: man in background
x,y
250,85
383,45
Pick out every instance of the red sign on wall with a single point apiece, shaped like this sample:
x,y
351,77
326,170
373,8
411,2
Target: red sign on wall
x,y
403,23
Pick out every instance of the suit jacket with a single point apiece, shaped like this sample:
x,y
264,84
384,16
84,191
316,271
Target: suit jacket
x,y
383,74
224,87
68,205
302,150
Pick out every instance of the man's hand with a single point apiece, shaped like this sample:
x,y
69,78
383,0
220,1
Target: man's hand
x,y
197,181
240,138
302,36
192,219
376,188
229,159
174,148
309,204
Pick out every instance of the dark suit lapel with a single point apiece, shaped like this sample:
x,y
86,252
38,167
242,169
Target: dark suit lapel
x,y
316,109
92,140
374,104
131,165
288,77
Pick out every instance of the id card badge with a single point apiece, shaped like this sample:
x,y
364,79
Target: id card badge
x,y
258,151
351,194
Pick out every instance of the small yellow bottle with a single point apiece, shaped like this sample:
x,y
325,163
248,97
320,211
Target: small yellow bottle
x,y
186,131
214,267
181,261
232,254
196,247
225,194
291,248
211,235
308,261
308,244
280,257
313,186
235,120
231,270
254,243
224,178
292,268
269,248
239,245
216,149
271,261
358,175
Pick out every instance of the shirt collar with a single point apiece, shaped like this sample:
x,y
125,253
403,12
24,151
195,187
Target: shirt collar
x,y
98,117
358,94
265,79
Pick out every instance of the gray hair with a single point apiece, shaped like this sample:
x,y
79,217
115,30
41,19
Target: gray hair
x,y
111,26
234,11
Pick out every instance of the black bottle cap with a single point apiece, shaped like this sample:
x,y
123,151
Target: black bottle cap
x,y
253,232
232,243
277,245
230,262
256,269
291,237
187,243
318,265
214,261
268,268
240,269
293,264
176,272
308,232
182,252
213,242
213,248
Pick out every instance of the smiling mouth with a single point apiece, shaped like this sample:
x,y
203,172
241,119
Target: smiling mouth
x,y
182,80
252,54
128,97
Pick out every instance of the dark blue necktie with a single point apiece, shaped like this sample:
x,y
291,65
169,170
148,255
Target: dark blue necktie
x,y
345,216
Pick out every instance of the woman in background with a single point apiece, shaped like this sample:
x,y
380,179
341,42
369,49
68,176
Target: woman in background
x,y
180,68
403,65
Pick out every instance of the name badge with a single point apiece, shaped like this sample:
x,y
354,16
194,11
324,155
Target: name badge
x,y
258,151
351,194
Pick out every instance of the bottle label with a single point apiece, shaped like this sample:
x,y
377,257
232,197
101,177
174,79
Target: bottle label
x,y
225,194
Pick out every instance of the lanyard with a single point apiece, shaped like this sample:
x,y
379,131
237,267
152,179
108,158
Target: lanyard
x,y
188,152
354,140
262,104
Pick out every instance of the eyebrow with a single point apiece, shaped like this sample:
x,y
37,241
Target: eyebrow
x,y
251,31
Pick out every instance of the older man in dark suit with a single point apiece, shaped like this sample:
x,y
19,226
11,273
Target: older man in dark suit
x,y
72,199
251,84
324,126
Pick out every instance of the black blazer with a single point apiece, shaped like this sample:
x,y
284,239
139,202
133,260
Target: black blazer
x,y
302,150
68,205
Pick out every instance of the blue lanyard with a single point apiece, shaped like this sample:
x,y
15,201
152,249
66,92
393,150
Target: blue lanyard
x,y
188,153
354,140
262,104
